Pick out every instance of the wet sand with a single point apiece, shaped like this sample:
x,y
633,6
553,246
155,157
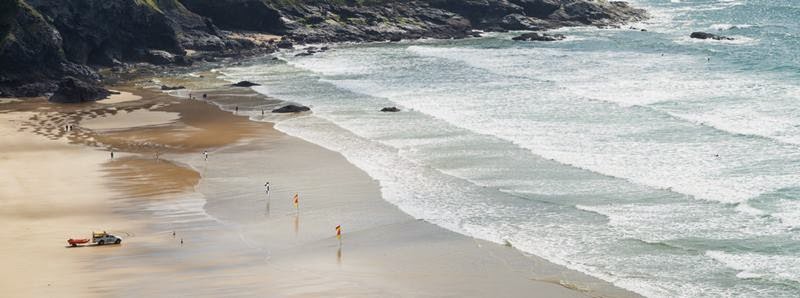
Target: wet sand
x,y
237,241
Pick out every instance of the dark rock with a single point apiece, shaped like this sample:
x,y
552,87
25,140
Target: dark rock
x,y
72,90
95,32
168,88
303,54
292,109
158,57
252,15
30,89
390,109
285,44
538,8
183,60
31,56
458,23
705,35
539,37
597,13
519,22
479,12
245,84
315,19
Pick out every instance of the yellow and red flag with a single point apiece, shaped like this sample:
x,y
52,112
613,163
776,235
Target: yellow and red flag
x,y
296,200
339,232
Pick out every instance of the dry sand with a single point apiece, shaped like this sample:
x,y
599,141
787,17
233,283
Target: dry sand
x,y
51,191
59,184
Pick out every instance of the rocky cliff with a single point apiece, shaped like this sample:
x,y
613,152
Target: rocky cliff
x,y
43,41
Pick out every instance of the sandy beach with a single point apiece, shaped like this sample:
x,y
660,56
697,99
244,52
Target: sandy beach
x,y
230,238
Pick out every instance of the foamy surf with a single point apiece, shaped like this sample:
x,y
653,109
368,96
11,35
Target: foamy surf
x,y
626,155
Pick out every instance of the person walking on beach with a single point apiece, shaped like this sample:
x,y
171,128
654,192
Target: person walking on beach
x,y
112,154
266,187
173,234
204,96
236,109
205,155
181,241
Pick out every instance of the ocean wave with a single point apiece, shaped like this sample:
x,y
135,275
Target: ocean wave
x,y
428,163
750,265
724,27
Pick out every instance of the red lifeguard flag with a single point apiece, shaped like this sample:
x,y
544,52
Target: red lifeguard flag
x,y
296,200
339,232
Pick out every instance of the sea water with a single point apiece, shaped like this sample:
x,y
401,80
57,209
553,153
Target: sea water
x,y
666,165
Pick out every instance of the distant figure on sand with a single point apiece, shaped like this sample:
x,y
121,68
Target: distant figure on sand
x,y
173,234
262,112
112,154
266,187
204,95
205,154
237,109
181,241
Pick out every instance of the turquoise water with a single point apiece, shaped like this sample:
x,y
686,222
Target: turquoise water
x,y
666,165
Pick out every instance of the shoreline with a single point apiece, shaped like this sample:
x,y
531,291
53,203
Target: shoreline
x,y
415,258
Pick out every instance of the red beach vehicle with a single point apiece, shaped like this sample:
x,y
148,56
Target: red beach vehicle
x,y
100,238
75,242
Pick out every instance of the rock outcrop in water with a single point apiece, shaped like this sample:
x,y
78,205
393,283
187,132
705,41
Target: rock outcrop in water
x,y
291,109
705,35
539,37
43,41
390,110
244,84
170,88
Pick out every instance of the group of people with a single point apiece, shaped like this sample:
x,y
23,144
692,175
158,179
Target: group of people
x,y
205,96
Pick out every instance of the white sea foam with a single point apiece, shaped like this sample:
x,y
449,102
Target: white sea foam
x,y
590,85
751,265
723,27
490,144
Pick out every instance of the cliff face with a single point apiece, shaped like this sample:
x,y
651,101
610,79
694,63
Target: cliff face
x,y
251,15
44,41
47,40
102,32
370,20
31,53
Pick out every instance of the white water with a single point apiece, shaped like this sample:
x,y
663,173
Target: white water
x,y
627,155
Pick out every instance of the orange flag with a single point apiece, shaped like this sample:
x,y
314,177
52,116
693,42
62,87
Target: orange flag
x,y
296,200
339,232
